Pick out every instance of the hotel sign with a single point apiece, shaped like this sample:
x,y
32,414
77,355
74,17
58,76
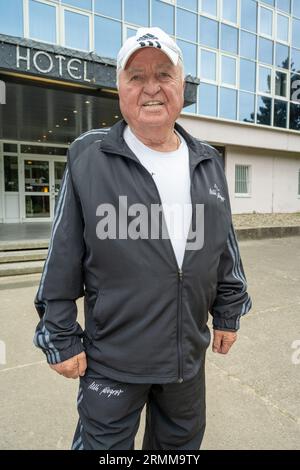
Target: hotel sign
x,y
49,64
56,63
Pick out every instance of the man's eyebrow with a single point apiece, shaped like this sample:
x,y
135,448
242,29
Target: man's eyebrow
x,y
134,70
165,65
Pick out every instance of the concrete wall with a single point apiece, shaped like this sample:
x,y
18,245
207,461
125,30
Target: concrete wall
x,y
274,180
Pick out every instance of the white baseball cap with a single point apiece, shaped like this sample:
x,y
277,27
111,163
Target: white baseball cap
x,y
149,37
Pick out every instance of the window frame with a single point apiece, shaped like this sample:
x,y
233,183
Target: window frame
x,y
225,20
209,15
26,19
276,38
207,80
283,98
258,91
91,28
248,182
237,63
259,32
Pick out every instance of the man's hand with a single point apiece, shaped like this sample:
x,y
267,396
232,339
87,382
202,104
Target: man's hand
x,y
223,340
71,368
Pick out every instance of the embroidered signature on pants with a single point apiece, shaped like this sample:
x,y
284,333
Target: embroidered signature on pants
x,y
105,390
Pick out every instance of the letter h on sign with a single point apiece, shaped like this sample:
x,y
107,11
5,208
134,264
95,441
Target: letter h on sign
x,y
2,92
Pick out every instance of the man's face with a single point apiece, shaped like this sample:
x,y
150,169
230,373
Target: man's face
x,y
151,90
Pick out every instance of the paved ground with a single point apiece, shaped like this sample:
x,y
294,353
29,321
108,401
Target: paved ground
x,y
253,399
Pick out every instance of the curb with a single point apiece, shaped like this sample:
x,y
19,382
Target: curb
x,y
259,233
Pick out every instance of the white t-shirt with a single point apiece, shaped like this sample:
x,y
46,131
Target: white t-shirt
x,y
171,174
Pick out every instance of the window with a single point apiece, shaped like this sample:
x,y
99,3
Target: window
x,y
190,4
229,10
209,35
266,21
247,75
77,30
163,16
210,7
296,33
229,38
42,21
207,99
265,51
186,25
280,113
108,37
190,109
282,30
242,179
246,107
295,60
264,110
296,8
189,52
11,179
264,79
295,116
248,45
11,17
281,84
137,12
249,15
12,148
208,65
228,70
228,101
108,8
284,5
282,56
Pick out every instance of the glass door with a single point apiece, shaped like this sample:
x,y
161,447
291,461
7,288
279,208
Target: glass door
x,y
37,188
42,181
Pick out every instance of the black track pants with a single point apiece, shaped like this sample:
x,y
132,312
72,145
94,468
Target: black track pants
x,y
109,414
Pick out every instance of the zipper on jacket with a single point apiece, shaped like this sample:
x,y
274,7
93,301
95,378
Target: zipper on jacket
x,y
180,278
179,326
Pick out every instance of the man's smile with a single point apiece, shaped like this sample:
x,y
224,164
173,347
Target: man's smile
x,y
153,103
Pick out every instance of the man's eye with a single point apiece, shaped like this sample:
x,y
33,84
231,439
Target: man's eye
x,y
164,74
136,77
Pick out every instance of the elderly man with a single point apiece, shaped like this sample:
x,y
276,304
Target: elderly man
x,y
149,273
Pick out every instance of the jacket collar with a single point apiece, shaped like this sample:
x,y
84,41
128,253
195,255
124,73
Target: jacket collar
x,y
115,144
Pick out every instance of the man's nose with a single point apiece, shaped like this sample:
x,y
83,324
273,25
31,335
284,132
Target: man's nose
x,y
151,86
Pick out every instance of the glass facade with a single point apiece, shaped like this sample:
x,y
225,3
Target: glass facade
x,y
245,52
42,21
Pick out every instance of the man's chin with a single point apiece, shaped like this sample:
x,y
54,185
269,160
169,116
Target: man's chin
x,y
153,119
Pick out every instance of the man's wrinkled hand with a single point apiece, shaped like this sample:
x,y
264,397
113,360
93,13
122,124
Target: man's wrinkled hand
x,y
223,340
71,368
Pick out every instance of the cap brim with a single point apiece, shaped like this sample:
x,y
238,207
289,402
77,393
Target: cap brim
x,y
173,56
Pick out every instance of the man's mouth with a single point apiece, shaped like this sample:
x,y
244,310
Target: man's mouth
x,y
153,103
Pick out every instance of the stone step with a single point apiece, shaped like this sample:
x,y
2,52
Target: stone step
x,y
27,267
22,255
23,244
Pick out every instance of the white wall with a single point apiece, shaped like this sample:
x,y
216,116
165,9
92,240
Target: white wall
x,y
274,157
274,180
